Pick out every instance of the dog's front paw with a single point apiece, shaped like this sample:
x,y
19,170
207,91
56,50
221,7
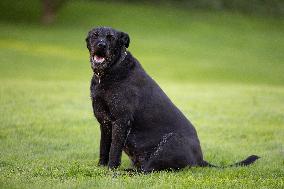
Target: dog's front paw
x,y
102,163
113,165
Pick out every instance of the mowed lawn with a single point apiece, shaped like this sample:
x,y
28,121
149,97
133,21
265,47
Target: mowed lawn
x,y
224,71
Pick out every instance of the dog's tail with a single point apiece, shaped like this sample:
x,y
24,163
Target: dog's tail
x,y
249,160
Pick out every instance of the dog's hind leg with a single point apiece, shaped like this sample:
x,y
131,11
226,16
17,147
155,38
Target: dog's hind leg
x,y
172,153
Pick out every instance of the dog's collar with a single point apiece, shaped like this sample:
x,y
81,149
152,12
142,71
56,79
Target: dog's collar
x,y
100,74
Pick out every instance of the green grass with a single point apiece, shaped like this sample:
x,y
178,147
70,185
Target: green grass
x,y
223,70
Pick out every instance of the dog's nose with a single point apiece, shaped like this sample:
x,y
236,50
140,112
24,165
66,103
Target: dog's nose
x,y
102,45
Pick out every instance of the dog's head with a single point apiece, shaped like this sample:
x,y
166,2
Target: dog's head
x,y
106,46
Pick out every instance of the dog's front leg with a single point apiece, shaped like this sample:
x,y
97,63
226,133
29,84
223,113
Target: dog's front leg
x,y
102,115
120,128
105,143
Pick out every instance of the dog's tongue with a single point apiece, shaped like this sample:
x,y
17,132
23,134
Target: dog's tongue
x,y
98,59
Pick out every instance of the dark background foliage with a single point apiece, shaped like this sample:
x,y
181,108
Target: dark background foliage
x,y
45,10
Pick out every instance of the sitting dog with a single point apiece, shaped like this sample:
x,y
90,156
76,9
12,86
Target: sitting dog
x,y
134,113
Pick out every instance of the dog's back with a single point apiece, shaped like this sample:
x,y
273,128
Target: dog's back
x,y
157,123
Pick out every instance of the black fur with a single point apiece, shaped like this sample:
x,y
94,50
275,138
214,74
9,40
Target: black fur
x,y
134,113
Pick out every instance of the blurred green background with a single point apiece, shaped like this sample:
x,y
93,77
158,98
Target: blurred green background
x,y
221,63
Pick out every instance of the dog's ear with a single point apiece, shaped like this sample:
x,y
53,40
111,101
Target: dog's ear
x,y
124,38
87,41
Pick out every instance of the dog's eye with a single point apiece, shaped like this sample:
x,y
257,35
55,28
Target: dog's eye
x,y
95,35
110,37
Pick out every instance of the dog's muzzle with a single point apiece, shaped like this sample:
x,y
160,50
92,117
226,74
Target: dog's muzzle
x,y
97,59
98,56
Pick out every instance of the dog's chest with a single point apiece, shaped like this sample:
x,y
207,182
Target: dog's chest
x,y
104,101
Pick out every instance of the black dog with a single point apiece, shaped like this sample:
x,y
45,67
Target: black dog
x,y
135,115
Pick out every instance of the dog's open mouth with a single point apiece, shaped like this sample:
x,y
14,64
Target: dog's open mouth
x,y
98,59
